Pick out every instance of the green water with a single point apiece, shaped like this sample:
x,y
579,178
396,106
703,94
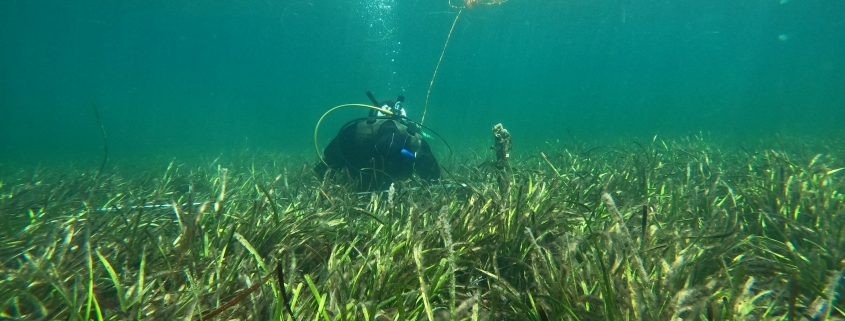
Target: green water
x,y
175,79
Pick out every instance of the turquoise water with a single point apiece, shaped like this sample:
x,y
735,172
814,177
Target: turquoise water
x,y
202,77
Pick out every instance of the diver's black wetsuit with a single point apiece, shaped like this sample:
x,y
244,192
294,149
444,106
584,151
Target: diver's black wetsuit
x,y
372,150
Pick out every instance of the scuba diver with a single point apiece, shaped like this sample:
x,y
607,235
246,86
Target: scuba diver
x,y
381,148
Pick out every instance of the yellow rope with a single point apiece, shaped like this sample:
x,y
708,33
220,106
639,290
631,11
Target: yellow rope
x,y
422,120
317,128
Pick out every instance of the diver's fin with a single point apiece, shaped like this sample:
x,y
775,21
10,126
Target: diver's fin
x,y
425,134
371,117
373,99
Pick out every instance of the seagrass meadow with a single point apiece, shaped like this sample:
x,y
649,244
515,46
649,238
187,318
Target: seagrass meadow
x,y
680,228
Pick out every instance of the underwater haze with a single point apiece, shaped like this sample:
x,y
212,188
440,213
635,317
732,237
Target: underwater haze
x,y
180,78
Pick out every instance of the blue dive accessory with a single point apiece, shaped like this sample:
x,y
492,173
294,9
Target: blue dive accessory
x,y
410,156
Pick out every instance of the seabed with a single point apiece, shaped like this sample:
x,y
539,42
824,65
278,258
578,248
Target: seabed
x,y
665,229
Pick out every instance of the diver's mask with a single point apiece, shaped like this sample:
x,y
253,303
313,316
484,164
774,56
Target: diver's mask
x,y
395,108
